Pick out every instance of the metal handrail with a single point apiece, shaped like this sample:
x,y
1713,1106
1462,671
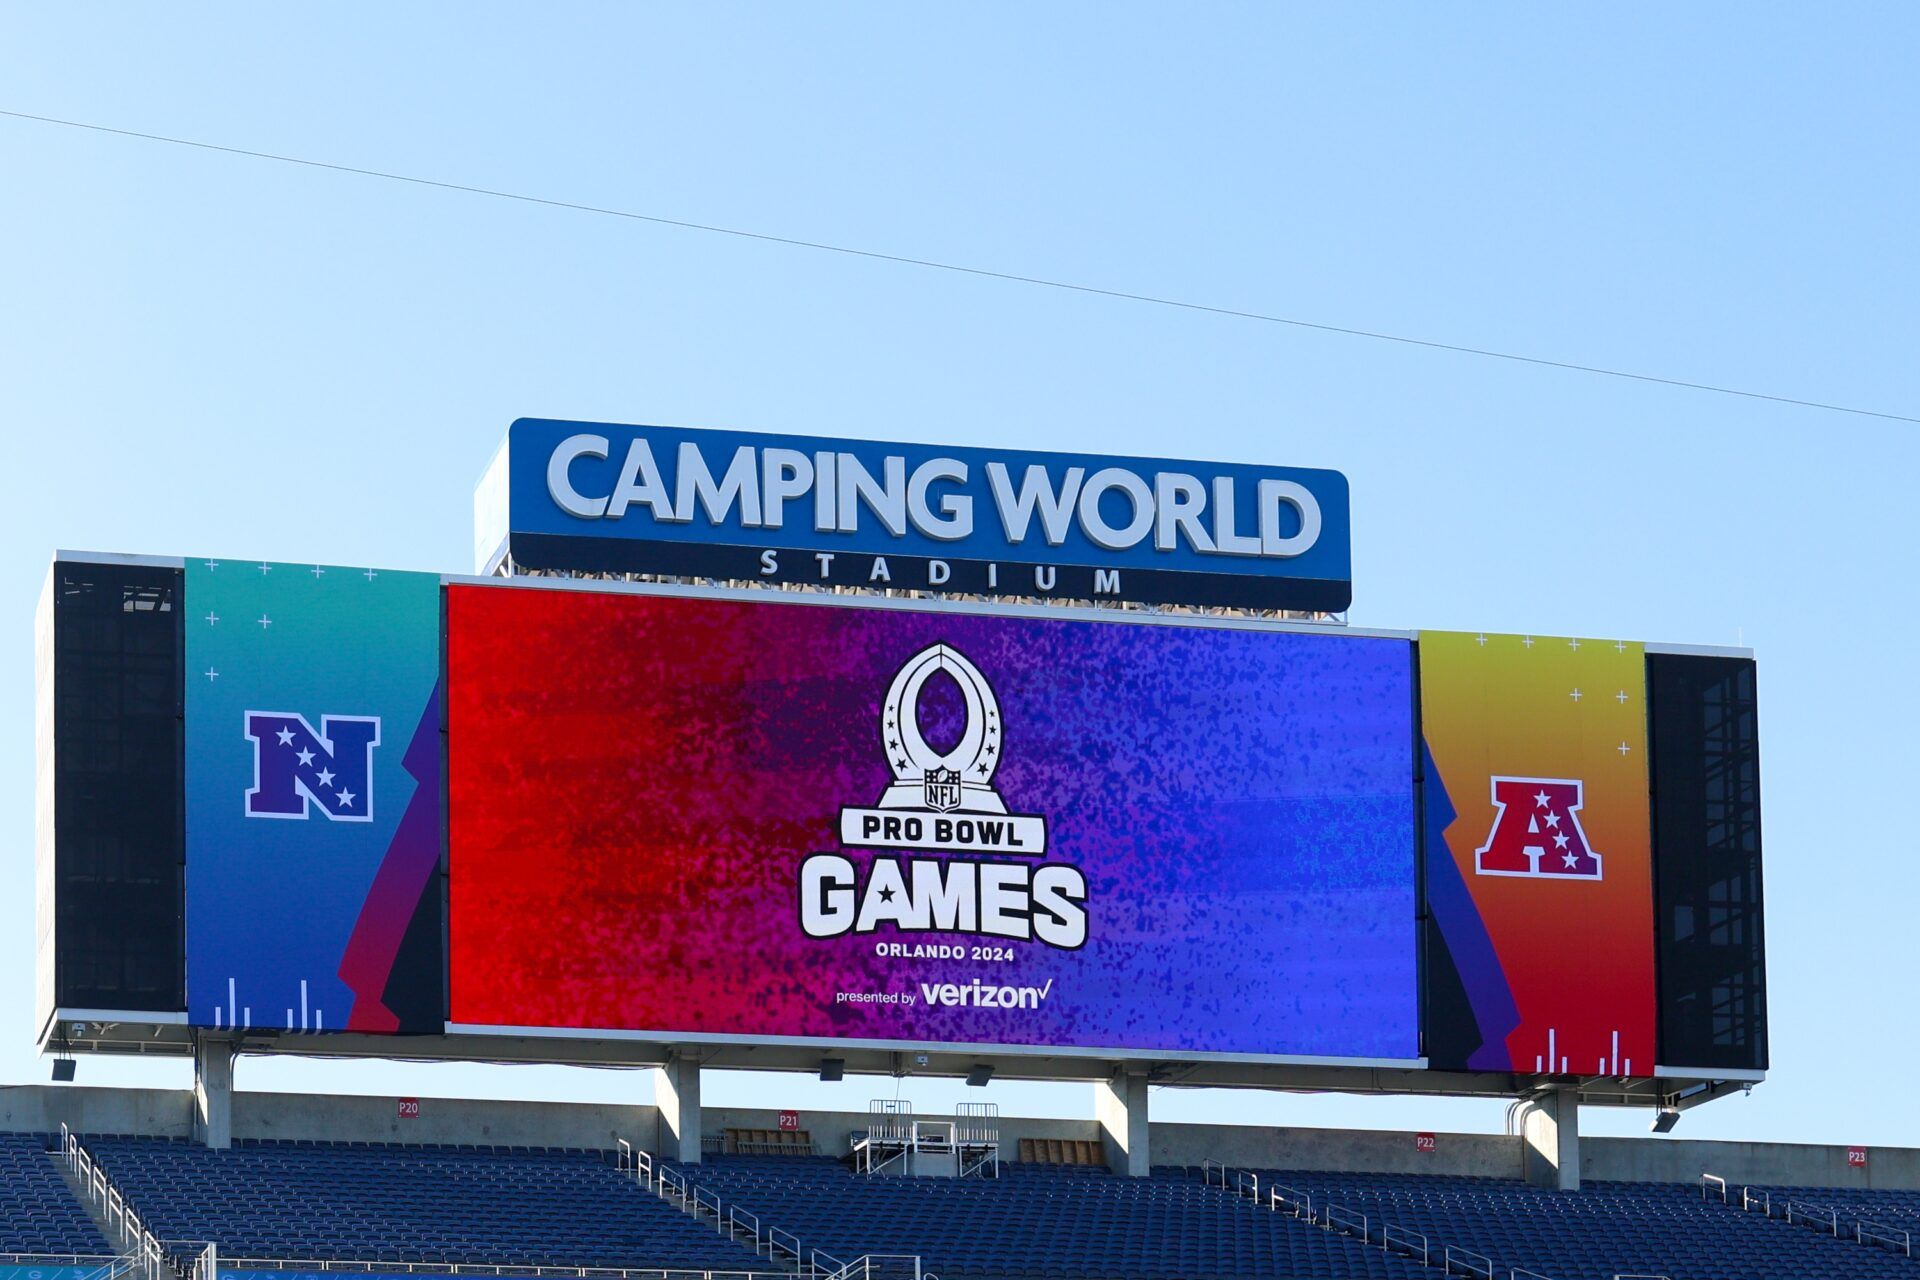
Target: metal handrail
x,y
865,1266
736,1218
1749,1197
1207,1168
785,1241
1882,1234
1815,1215
707,1200
1453,1253
1705,1178
813,1264
146,1253
1345,1219
1247,1183
1301,1202
1407,1241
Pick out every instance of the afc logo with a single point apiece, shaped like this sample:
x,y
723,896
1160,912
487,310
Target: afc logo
x,y
1537,832
296,767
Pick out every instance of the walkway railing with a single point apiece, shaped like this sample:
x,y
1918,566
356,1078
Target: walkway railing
x,y
1392,1237
1822,1218
147,1257
702,1204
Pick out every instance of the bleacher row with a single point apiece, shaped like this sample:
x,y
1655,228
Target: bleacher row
x,y
317,1202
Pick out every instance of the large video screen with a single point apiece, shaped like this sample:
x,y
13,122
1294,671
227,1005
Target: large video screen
x,y
713,818
313,818
1539,854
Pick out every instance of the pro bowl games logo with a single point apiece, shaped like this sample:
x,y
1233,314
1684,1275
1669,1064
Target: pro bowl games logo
x,y
944,802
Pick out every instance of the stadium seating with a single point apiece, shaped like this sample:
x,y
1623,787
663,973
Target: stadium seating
x,y
38,1214
1606,1229
540,1207
379,1203
1899,1209
1056,1222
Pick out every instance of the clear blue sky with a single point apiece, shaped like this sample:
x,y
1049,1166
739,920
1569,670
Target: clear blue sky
x,y
206,354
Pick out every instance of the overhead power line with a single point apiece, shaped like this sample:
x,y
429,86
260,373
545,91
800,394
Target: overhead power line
x,y
932,264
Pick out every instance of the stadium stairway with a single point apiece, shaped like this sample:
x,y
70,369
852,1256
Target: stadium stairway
x,y
39,1214
1041,1222
326,1202
1606,1229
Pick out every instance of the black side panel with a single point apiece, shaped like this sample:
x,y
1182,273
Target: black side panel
x,y
119,757
1704,738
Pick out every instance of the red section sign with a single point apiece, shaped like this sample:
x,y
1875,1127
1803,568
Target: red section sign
x,y
790,1121
1856,1157
1424,1143
409,1108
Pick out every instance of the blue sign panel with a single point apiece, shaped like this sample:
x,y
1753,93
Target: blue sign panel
x,y
591,497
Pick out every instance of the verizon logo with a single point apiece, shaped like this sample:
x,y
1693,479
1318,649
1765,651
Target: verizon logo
x,y
977,994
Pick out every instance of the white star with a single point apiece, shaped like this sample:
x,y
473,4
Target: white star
x,y
1482,640
265,622
1553,820
346,799
304,756
1527,641
1621,696
1619,646
1541,799
213,619
265,568
1576,695
316,571
370,575
1623,748
1574,645
211,565
285,736
212,674
325,777
1570,860
1560,841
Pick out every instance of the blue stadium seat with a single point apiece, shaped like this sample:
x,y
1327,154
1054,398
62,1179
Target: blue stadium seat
x,y
1047,1223
341,1202
1603,1230
38,1214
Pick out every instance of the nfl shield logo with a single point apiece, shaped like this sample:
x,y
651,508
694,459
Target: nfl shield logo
x,y
943,789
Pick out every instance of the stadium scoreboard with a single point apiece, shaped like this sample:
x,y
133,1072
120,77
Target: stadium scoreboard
x,y
318,806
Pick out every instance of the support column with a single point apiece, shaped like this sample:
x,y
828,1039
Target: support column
x,y
213,1091
1120,1104
677,1095
1550,1138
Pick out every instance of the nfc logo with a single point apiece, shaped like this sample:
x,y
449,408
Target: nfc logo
x,y
296,766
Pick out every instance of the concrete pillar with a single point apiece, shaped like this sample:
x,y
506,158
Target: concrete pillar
x,y
213,1091
1550,1133
677,1094
1120,1104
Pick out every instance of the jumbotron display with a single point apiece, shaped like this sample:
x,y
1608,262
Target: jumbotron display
x,y
338,804
728,819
